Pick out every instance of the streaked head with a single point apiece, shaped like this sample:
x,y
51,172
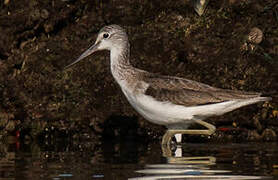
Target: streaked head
x,y
109,37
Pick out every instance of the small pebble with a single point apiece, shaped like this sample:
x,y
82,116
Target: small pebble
x,y
255,36
6,2
44,14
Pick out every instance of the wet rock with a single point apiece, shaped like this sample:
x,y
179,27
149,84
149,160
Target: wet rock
x,y
10,139
257,123
44,14
265,114
232,1
6,2
253,136
269,135
35,14
4,119
255,36
10,126
48,27
200,6
7,122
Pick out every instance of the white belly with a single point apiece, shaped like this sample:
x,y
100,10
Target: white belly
x,y
168,114
158,112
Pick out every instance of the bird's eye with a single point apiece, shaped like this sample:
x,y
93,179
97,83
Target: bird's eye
x,y
105,35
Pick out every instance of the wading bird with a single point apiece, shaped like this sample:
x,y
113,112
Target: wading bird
x,y
166,100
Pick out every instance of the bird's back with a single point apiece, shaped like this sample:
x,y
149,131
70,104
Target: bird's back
x,y
186,92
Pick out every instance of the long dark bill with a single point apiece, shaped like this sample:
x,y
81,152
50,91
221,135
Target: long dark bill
x,y
88,52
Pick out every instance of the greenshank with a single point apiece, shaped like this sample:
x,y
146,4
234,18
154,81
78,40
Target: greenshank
x,y
166,100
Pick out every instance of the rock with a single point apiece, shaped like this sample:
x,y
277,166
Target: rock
x,y
10,126
44,14
35,14
200,6
257,123
6,122
48,27
253,136
269,135
4,119
6,2
255,36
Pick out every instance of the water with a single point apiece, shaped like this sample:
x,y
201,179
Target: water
x,y
69,160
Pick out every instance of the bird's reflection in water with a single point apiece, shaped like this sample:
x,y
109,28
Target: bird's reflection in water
x,y
180,166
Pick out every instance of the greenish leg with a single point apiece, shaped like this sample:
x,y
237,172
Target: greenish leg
x,y
166,140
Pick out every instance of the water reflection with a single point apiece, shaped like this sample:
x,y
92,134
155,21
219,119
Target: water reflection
x,y
130,160
179,166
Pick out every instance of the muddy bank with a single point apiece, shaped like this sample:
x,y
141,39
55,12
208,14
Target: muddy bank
x,y
39,38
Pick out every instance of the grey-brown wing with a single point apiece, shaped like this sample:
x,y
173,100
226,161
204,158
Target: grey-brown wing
x,y
190,93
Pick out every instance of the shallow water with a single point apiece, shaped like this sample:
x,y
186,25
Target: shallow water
x,y
67,160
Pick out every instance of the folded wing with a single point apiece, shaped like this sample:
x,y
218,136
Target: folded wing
x,y
190,93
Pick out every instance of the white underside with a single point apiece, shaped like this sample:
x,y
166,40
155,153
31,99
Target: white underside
x,y
171,115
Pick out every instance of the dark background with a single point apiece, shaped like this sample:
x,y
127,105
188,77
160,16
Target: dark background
x,y
38,38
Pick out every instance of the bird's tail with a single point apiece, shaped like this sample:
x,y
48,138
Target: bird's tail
x,y
273,95
244,102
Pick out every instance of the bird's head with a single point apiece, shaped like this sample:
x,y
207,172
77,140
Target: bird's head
x,y
109,37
